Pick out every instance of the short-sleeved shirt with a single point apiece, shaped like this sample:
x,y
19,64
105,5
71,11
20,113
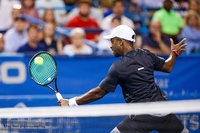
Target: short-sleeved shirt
x,y
90,23
26,49
135,74
53,45
171,21
14,40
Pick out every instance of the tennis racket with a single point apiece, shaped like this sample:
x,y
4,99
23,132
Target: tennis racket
x,y
44,72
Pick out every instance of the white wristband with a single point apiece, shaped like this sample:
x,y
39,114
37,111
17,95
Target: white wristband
x,y
72,102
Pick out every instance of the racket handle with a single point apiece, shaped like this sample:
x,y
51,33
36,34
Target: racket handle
x,y
59,96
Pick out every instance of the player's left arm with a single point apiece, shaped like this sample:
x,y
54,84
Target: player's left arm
x,y
176,50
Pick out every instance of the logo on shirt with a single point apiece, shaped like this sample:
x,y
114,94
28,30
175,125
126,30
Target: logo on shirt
x,y
141,68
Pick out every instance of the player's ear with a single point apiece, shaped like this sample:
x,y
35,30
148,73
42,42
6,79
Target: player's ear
x,y
121,41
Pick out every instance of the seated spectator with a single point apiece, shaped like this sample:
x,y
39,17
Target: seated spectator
x,y
28,8
58,5
53,46
95,13
33,45
17,35
83,20
6,7
191,31
194,5
48,16
156,42
1,43
171,21
78,46
104,44
118,8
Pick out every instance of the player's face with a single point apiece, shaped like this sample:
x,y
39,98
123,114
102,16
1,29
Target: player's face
x,y
116,48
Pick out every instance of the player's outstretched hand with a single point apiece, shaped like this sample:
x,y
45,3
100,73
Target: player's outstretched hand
x,y
178,48
63,102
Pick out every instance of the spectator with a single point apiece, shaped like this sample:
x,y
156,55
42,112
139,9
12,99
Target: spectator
x,y
95,13
191,31
104,44
33,45
194,5
28,8
83,20
156,42
171,21
118,8
48,16
53,46
78,46
58,5
6,7
1,43
17,35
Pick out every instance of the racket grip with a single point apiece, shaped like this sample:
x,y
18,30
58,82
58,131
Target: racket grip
x,y
59,96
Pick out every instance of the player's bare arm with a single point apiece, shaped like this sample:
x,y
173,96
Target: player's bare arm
x,y
90,96
176,49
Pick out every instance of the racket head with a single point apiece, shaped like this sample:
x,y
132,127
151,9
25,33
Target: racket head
x,y
44,73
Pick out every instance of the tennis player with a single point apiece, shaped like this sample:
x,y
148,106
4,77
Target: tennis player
x,y
134,72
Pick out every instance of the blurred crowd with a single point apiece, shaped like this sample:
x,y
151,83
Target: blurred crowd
x,y
76,27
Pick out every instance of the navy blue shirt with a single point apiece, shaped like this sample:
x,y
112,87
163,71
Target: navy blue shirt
x,y
135,74
53,45
29,50
148,40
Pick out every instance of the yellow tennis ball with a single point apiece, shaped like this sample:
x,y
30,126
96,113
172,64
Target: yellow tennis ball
x,y
38,61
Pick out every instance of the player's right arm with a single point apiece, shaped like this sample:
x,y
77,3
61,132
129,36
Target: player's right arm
x,y
90,96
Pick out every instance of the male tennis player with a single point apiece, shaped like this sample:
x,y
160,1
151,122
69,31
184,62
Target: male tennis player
x,y
135,74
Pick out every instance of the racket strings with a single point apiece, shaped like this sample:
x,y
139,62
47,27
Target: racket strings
x,y
45,73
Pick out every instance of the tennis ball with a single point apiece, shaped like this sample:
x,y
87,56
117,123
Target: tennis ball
x,y
38,61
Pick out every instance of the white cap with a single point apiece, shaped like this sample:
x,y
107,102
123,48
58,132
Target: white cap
x,y
122,31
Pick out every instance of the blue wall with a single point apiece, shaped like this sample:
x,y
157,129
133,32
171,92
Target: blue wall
x,y
79,74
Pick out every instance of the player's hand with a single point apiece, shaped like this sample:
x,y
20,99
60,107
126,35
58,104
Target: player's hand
x,y
180,47
63,102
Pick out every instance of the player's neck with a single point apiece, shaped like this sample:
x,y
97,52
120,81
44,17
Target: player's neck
x,y
128,48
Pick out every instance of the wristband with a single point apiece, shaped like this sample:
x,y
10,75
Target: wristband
x,y
176,52
72,102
